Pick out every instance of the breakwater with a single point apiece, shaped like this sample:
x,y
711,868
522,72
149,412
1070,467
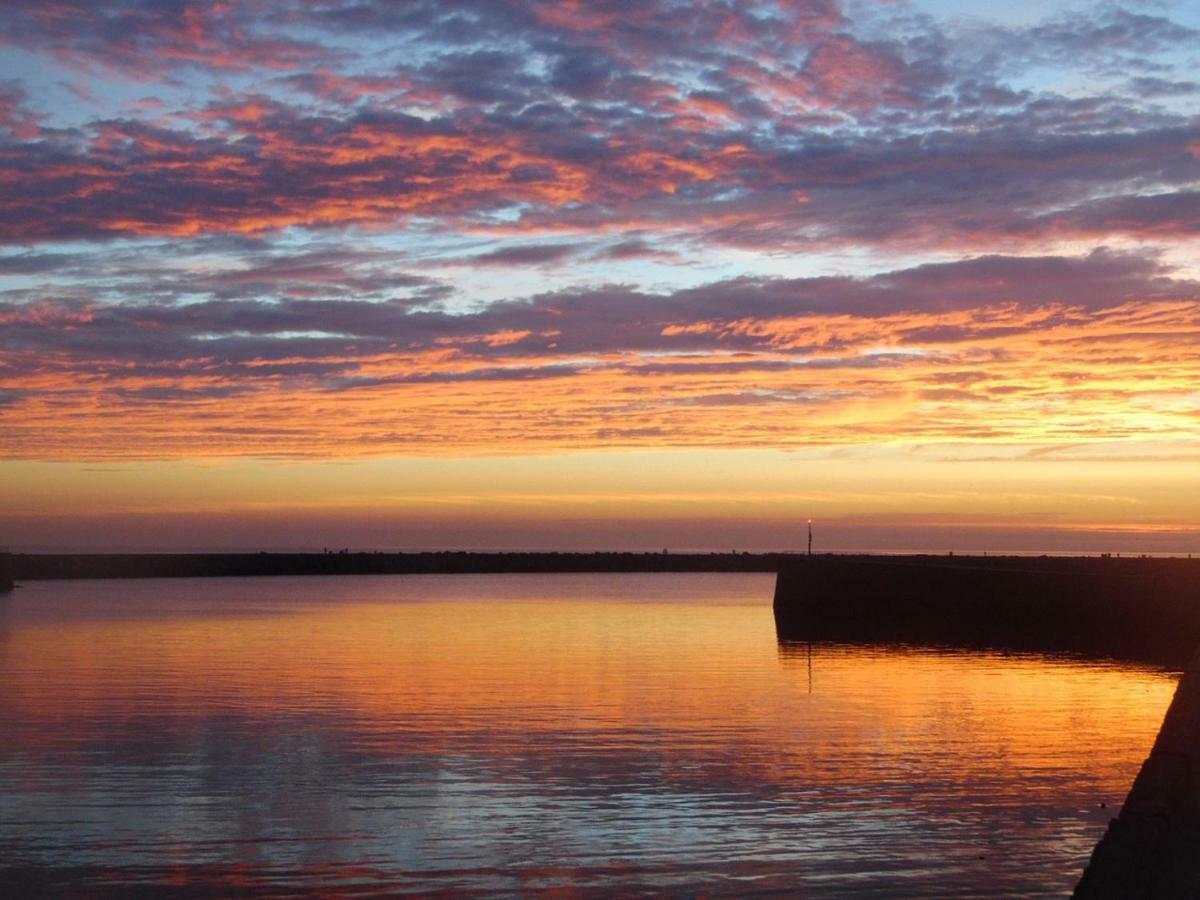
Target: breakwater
x,y
1152,848
205,565
1139,609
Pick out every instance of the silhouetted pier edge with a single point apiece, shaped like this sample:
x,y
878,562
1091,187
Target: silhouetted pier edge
x,y
1152,849
1134,608
6,572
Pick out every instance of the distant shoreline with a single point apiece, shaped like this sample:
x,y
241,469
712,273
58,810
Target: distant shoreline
x,y
66,566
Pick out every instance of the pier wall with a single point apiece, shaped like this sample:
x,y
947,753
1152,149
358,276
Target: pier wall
x,y
1140,609
1152,848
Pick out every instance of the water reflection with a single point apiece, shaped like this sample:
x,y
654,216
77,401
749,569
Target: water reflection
x,y
526,732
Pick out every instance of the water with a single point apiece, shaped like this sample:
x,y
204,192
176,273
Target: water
x,y
481,734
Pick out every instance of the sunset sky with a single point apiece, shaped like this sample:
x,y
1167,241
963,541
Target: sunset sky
x,y
600,273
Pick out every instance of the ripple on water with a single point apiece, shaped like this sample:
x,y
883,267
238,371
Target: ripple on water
x,y
467,734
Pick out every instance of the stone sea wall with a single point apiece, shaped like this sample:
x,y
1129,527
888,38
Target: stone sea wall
x,y
1141,609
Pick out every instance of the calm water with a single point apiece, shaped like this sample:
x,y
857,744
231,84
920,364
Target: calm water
x,y
467,734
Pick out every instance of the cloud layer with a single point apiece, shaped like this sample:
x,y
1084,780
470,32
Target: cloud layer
x,y
1036,349
338,228
749,123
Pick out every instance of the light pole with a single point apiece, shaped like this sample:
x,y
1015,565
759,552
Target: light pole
x,y
810,537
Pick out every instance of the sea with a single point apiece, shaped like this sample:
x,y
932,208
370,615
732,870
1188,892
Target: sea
x,y
577,735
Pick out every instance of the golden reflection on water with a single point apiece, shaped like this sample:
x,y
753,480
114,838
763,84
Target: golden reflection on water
x,y
538,731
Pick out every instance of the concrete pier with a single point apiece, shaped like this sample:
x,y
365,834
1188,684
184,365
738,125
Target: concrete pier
x,y
1139,609
1152,849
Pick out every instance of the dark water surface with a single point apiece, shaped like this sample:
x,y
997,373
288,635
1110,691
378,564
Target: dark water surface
x,y
480,734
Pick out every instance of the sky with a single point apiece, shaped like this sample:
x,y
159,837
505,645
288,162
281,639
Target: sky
x,y
568,275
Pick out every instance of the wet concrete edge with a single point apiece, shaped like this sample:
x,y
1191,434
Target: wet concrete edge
x,y
1152,848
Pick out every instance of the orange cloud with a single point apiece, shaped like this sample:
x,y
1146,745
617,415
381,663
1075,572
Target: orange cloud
x,y
999,374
